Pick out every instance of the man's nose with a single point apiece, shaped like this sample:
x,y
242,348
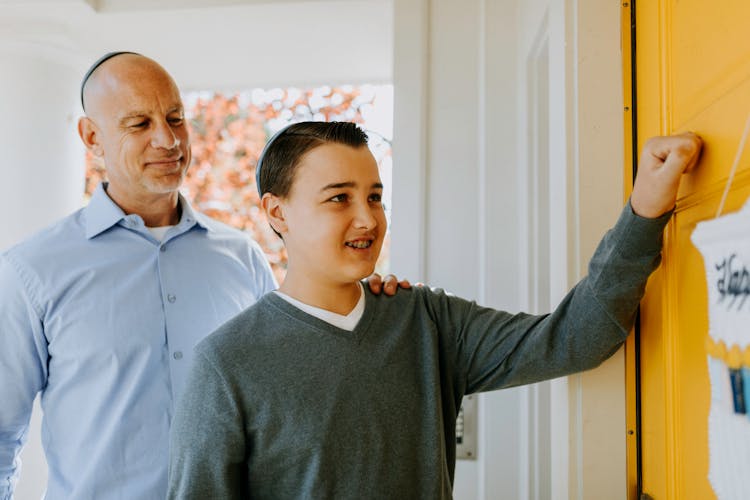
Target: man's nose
x,y
164,137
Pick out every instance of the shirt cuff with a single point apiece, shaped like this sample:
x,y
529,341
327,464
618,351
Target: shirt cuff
x,y
640,236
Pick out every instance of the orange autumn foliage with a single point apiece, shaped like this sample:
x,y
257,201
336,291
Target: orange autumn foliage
x,y
228,133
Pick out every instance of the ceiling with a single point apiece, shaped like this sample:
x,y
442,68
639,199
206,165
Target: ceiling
x,y
220,44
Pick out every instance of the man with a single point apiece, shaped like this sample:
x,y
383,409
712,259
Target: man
x,y
100,312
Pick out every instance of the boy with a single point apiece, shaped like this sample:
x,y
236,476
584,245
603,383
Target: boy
x,y
323,390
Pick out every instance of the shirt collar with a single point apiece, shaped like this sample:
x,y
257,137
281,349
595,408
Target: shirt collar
x,y
102,213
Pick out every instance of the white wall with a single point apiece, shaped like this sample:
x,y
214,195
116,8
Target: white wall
x,y
463,171
587,450
597,151
455,185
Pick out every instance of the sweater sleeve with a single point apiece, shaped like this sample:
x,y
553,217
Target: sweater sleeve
x,y
494,349
207,441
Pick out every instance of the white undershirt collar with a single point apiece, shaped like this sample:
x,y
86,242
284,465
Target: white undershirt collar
x,y
159,232
343,321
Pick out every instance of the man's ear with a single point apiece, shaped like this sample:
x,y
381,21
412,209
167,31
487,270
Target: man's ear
x,y
89,133
273,207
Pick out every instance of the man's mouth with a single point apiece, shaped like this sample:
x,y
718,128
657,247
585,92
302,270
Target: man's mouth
x,y
167,166
359,244
166,161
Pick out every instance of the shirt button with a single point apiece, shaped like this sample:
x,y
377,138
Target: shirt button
x,y
177,355
171,298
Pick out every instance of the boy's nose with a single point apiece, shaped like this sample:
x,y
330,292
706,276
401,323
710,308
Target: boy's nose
x,y
364,218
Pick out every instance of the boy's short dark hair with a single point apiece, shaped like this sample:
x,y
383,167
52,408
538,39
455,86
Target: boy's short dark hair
x,y
281,156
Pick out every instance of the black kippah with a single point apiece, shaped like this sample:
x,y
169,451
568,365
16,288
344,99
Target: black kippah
x,y
262,157
99,62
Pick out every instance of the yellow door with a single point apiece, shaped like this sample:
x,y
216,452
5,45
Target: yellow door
x,y
692,67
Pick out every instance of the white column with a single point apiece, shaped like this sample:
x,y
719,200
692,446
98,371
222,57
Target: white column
x,y
41,172
42,167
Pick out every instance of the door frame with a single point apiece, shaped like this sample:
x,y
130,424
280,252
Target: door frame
x,y
630,162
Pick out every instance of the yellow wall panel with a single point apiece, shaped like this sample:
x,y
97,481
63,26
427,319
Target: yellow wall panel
x,y
693,73
708,53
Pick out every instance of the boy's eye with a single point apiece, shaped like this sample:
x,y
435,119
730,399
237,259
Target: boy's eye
x,y
339,198
376,197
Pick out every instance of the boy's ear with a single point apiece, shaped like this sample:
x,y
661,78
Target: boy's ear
x,y
89,133
271,205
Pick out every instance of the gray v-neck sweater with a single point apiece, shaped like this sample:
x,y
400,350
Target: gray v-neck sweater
x,y
282,405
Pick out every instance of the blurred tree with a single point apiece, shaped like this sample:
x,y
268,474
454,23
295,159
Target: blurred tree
x,y
227,135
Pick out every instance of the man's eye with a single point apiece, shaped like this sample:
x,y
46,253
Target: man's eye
x,y
339,198
139,125
376,197
175,121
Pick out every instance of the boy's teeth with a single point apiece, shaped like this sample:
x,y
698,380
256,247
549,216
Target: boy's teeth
x,y
358,244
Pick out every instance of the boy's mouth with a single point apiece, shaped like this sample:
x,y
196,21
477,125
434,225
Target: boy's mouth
x,y
360,244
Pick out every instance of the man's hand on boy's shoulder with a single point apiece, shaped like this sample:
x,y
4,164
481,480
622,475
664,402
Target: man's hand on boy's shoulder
x,y
389,285
660,168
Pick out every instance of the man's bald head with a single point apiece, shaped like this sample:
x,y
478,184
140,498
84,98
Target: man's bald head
x,y
107,75
95,66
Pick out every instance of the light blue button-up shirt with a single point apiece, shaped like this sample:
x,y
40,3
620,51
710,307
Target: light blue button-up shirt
x,y
102,318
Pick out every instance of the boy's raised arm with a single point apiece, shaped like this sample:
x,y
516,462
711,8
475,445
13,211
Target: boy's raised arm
x,y
593,320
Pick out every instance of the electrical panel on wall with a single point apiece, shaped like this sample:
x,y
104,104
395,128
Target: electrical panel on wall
x,y
466,429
